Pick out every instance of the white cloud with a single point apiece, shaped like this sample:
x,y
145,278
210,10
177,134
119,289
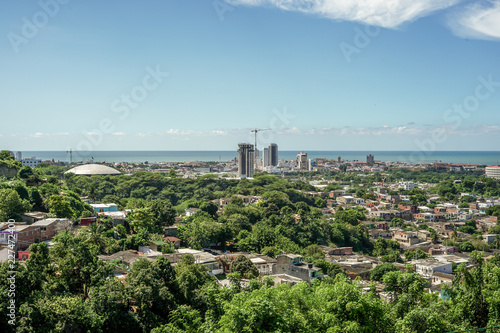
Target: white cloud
x,y
393,131
118,133
41,135
383,13
173,131
219,132
477,21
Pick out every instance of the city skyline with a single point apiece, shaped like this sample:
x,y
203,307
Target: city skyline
x,y
422,76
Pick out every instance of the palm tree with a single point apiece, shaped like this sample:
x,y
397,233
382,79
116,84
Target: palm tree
x,y
93,235
434,237
496,242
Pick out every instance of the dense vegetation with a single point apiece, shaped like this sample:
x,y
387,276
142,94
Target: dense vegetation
x,y
68,289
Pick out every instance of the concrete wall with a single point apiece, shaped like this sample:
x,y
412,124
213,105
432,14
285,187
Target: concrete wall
x,y
8,172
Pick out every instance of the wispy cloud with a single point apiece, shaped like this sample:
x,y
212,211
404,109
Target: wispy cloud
x,y
477,21
383,13
118,134
42,135
393,131
179,132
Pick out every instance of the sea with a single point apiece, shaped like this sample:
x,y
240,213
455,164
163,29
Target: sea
x,y
472,157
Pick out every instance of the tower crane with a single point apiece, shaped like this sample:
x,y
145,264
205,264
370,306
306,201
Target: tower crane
x,y
70,156
255,131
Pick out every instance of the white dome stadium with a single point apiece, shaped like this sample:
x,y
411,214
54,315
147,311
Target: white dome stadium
x,y
93,169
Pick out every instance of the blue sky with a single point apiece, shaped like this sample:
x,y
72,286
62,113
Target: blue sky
x,y
198,75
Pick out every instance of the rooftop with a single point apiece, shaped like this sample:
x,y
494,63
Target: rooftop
x,y
93,169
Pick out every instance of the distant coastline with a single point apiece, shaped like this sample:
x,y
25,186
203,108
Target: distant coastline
x,y
472,157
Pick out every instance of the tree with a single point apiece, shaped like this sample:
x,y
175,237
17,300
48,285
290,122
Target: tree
x,y
162,213
397,222
405,289
151,286
244,266
467,199
425,320
379,271
496,242
210,207
183,319
466,247
415,255
77,265
238,222
392,256
190,277
57,313
329,268
111,301
434,236
60,207
141,218
470,306
418,199
38,265
25,172
350,216
467,229
93,235
6,155
11,203
319,202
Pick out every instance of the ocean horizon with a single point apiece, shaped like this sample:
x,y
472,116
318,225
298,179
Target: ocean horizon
x,y
473,157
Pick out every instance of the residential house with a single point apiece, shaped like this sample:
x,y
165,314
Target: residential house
x,y
406,238
85,221
176,241
427,267
439,278
406,215
339,251
411,208
33,217
118,217
489,238
291,264
206,259
171,230
427,217
191,211
387,215
336,193
263,263
347,199
378,233
26,235
383,225
101,208
354,272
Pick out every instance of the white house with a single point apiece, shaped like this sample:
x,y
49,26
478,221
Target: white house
x,y
427,267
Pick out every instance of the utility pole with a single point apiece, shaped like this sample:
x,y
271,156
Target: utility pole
x,y
256,130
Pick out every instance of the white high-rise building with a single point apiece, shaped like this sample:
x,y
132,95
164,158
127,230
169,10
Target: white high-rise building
x,y
302,161
265,158
493,171
312,164
32,162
